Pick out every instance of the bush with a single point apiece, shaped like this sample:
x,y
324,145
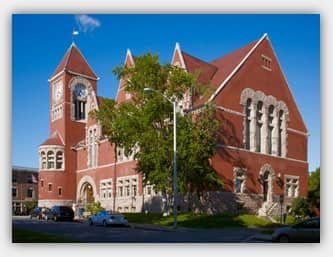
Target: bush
x,y
95,207
30,205
300,208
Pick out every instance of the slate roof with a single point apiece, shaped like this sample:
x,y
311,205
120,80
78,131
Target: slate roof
x,y
74,61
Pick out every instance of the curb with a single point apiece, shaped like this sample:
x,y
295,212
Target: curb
x,y
151,227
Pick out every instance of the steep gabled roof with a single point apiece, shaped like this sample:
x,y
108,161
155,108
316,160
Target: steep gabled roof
x,y
194,64
226,66
74,61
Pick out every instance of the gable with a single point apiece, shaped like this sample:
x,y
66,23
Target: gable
x,y
122,95
271,81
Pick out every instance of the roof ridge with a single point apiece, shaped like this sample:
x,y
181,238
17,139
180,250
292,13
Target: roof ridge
x,y
251,47
194,57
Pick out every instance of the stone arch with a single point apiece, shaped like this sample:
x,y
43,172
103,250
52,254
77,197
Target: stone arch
x,y
267,176
84,181
89,89
246,94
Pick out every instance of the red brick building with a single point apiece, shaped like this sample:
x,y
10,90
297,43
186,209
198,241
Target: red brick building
x,y
24,189
262,150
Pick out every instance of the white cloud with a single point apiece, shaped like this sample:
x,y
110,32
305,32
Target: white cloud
x,y
86,23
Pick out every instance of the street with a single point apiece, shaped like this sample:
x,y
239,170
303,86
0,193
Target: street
x,y
138,233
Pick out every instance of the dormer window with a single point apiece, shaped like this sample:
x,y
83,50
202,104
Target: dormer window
x,y
266,62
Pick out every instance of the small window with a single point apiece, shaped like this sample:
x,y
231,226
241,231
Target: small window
x,y
14,179
29,179
266,62
50,187
30,192
14,192
42,183
60,191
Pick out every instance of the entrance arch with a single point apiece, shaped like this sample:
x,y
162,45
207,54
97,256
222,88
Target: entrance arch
x,y
86,191
267,176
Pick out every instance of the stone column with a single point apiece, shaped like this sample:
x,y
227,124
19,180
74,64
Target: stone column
x,y
264,130
253,126
275,133
284,136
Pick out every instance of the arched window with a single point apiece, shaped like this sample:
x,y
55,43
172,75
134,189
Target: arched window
x,y
50,160
247,123
258,126
92,147
270,128
43,160
59,160
79,101
280,133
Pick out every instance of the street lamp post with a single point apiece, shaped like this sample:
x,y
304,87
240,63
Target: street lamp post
x,y
175,202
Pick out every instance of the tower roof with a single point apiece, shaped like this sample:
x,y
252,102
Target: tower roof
x,y
74,62
53,140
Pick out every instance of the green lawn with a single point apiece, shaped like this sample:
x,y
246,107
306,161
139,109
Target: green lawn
x,y
201,220
27,236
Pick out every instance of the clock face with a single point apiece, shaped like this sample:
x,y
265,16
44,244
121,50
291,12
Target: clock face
x,y
58,91
80,90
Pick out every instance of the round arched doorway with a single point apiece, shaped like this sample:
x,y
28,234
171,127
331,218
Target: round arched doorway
x,y
86,193
267,176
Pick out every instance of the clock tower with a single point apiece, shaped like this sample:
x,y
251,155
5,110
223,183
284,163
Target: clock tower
x,y
70,84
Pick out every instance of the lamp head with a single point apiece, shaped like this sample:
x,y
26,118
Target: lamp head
x,y
148,90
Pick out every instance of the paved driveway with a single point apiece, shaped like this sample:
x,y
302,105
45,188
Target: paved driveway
x,y
137,233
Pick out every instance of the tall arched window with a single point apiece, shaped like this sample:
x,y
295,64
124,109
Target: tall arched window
x,y
259,115
43,160
280,132
59,160
50,160
270,128
92,147
247,123
79,101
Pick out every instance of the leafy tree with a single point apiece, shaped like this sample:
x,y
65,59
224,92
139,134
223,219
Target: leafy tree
x,y
144,123
314,188
95,207
30,205
300,208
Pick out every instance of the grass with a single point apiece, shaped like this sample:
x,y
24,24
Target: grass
x,y
201,220
27,236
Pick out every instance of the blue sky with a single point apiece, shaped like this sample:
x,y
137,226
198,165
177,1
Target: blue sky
x,y
40,41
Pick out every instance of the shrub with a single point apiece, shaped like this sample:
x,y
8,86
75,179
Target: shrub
x,y
95,207
300,208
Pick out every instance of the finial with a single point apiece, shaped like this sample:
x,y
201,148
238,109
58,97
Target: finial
x,y
74,34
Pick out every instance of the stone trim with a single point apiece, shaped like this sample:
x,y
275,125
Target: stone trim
x,y
83,180
72,83
219,107
267,100
55,149
271,177
51,203
298,132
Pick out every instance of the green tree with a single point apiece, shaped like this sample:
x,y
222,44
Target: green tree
x,y
30,205
95,207
314,188
144,123
300,208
